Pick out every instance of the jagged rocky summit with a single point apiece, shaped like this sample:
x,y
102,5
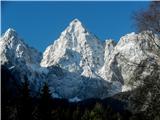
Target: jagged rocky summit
x,y
78,65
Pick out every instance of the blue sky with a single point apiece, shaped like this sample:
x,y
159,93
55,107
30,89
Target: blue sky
x,y
40,23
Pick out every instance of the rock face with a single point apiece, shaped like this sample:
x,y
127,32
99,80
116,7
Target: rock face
x,y
80,55
76,50
19,58
133,56
78,65
13,48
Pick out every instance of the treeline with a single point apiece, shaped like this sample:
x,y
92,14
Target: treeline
x,y
19,104
43,107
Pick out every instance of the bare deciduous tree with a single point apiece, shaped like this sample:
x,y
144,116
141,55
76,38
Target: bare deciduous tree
x,y
149,19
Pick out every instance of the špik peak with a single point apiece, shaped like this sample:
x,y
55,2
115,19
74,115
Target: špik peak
x,y
75,27
76,49
75,21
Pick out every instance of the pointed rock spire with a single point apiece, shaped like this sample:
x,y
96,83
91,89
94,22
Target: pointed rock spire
x,y
10,32
75,21
76,26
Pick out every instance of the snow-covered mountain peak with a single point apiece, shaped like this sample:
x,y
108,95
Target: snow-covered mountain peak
x,y
9,35
75,22
75,27
109,46
10,32
10,40
75,50
15,49
110,42
78,66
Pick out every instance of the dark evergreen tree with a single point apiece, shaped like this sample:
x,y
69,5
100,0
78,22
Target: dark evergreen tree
x,y
66,114
24,104
97,113
45,104
86,115
76,114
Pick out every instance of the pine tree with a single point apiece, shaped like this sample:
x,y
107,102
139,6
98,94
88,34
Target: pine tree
x,y
25,106
45,103
76,114
86,115
97,113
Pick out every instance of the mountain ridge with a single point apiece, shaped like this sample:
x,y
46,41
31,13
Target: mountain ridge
x,y
78,65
